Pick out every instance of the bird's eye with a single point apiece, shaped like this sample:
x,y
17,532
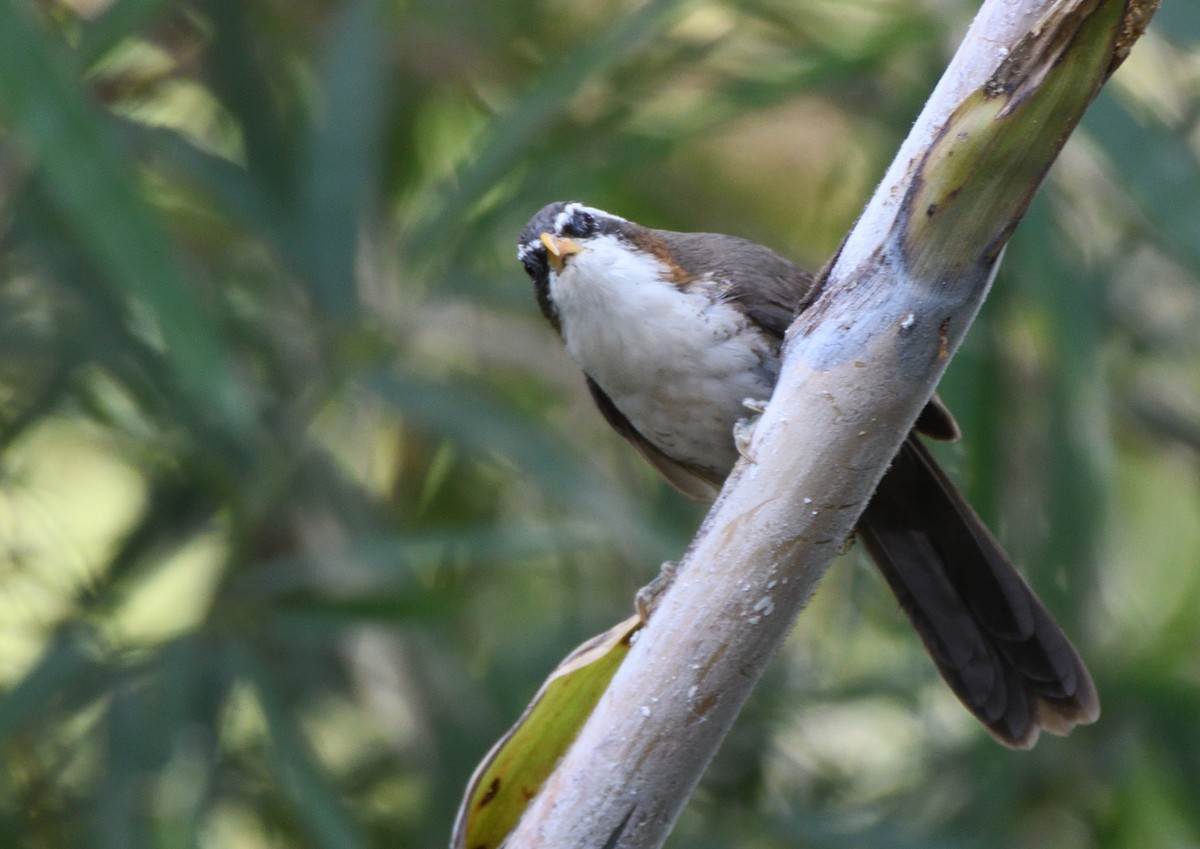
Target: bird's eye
x,y
581,224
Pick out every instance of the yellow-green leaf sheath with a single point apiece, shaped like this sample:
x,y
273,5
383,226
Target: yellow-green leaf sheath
x,y
512,773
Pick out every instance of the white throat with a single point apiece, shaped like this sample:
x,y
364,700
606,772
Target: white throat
x,y
677,362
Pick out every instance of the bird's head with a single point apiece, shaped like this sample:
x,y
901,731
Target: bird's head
x,y
569,243
562,230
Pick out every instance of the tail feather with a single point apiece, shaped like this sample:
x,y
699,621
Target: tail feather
x,y
990,637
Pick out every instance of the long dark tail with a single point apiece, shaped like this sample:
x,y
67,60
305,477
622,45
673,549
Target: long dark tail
x,y
991,638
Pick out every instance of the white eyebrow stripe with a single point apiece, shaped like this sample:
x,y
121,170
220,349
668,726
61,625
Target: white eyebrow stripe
x,y
570,209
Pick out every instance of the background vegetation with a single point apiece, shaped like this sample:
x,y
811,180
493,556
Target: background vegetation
x,y
300,498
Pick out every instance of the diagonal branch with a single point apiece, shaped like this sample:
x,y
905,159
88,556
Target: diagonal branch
x,y
859,365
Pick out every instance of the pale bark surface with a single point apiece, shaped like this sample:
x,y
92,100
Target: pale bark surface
x,y
859,366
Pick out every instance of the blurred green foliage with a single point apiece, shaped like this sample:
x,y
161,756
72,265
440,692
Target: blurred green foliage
x,y
300,499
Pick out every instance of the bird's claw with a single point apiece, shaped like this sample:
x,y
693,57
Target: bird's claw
x,y
647,597
743,429
743,433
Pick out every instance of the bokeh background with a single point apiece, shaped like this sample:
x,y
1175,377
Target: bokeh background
x,y
300,498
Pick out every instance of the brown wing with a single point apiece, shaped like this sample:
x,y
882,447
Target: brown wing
x,y
768,287
772,289
692,482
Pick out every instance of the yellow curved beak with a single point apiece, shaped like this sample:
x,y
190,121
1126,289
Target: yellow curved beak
x,y
558,249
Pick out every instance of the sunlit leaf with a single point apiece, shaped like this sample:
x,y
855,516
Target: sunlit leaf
x,y
123,19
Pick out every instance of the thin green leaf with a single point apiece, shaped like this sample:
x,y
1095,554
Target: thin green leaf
x,y
343,159
119,815
514,132
384,564
1076,461
241,79
1157,167
62,677
480,421
308,788
226,183
94,186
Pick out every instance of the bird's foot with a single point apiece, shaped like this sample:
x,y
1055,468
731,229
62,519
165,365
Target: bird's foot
x,y
647,597
743,429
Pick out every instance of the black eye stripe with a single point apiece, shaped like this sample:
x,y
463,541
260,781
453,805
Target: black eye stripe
x,y
581,224
563,219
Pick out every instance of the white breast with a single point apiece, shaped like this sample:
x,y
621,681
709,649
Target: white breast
x,y
676,363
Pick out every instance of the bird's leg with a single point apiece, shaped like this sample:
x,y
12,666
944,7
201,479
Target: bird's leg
x,y
647,597
743,429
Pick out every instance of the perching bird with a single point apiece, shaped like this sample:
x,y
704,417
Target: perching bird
x,y
674,331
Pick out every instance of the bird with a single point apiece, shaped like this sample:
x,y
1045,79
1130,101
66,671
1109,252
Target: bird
x,y
676,331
